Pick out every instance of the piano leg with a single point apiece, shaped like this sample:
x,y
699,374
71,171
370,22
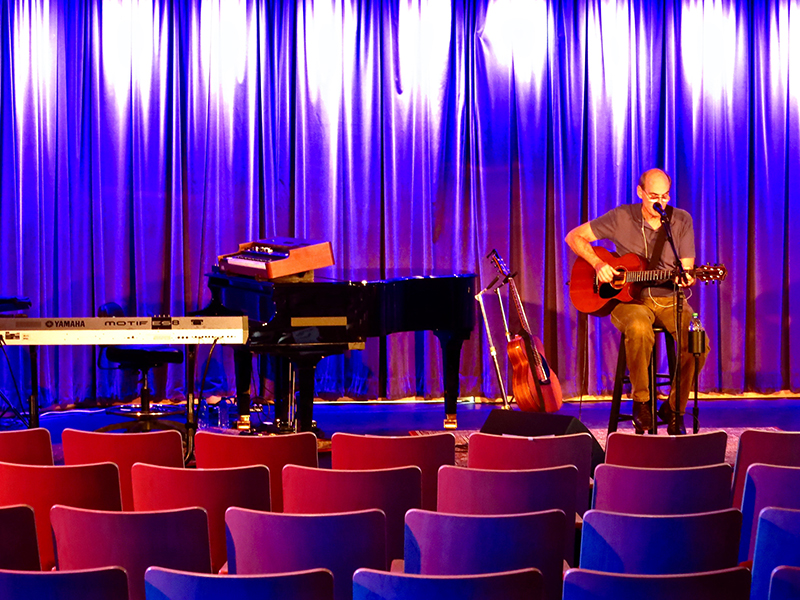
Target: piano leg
x,y
283,388
191,408
33,415
305,367
243,368
451,361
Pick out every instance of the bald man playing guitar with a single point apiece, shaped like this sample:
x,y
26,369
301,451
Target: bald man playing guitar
x,y
634,228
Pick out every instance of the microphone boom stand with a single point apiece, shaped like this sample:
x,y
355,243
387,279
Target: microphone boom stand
x,y
678,318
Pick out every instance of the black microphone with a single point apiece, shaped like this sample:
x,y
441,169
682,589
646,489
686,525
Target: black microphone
x,y
660,210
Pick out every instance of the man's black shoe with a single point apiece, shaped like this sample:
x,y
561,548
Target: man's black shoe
x,y
678,428
665,414
642,416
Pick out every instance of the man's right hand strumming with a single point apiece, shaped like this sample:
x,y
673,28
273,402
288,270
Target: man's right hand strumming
x,y
605,272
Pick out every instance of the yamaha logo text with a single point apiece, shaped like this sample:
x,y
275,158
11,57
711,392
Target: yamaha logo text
x,y
65,324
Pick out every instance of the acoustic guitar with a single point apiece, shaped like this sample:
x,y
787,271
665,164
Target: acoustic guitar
x,y
590,296
535,386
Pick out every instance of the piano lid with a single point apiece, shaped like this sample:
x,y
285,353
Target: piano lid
x,y
376,275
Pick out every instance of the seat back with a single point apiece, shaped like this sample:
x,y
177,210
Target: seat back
x,y
107,583
169,584
660,545
448,544
501,452
666,452
110,309
26,446
219,450
215,490
726,584
19,549
785,583
488,492
780,448
394,491
41,487
766,485
777,543
639,491
369,584
428,452
177,539
155,447
262,542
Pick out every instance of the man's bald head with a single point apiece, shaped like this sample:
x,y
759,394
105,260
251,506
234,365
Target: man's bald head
x,y
654,178
654,186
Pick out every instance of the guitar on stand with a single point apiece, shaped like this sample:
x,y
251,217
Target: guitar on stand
x,y
536,387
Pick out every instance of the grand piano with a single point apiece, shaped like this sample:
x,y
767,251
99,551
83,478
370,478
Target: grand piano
x,y
303,319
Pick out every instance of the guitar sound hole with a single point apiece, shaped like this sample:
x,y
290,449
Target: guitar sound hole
x,y
607,291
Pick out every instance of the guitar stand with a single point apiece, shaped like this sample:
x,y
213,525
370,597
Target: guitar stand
x,y
492,349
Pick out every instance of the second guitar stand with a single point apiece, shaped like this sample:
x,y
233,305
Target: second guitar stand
x,y
492,350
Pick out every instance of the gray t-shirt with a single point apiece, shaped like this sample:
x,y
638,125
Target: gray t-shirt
x,y
625,227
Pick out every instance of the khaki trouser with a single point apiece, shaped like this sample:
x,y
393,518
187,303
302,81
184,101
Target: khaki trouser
x,y
636,322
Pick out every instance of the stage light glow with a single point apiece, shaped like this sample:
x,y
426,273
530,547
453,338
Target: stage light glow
x,y
223,42
144,51
116,34
34,52
517,32
423,46
611,37
793,61
329,33
134,44
711,46
233,36
784,49
321,24
220,41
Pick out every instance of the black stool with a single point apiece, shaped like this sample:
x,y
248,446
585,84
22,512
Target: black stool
x,y
146,416
656,379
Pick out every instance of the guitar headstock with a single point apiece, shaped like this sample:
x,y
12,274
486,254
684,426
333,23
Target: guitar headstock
x,y
707,273
498,263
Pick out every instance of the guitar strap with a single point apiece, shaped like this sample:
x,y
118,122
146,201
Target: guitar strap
x,y
659,247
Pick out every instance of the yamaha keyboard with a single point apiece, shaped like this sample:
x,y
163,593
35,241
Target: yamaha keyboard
x,y
114,331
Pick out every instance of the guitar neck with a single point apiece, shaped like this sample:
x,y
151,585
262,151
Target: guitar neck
x,y
523,318
652,275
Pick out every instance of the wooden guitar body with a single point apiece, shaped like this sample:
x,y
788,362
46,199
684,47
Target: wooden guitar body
x,y
526,392
599,299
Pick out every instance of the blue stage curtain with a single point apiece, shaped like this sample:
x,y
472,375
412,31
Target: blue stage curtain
x,y
139,140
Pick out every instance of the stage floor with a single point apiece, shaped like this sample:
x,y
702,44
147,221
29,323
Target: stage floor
x,y
399,418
